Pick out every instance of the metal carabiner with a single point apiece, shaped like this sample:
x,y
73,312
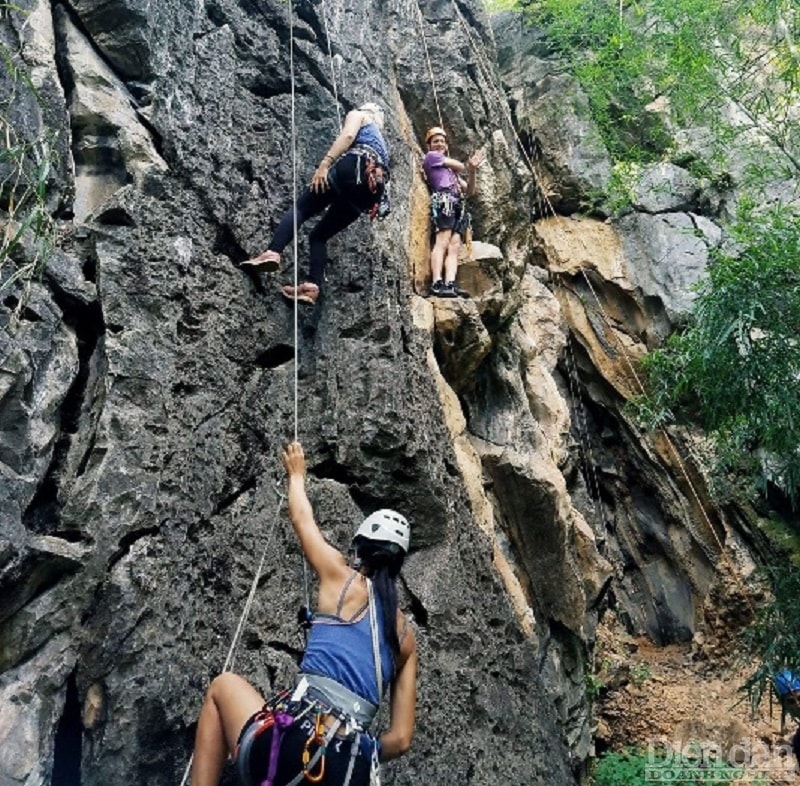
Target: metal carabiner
x,y
319,738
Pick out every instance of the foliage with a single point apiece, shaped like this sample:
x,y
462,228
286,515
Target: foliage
x,y
26,163
736,366
640,674
595,685
729,66
784,536
494,6
774,638
630,768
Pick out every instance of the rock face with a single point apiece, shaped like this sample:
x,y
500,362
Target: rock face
x,y
147,383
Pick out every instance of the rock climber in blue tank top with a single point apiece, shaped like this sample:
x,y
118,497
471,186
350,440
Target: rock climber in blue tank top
x,y
359,646
352,178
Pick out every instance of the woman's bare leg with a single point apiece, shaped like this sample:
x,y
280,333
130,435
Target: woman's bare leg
x,y
230,701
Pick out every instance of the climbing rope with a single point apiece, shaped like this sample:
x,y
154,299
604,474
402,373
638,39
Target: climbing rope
x,y
421,23
331,62
231,656
294,216
296,309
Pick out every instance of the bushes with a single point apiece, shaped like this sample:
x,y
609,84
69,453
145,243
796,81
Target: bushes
x,y
736,367
27,160
774,638
633,767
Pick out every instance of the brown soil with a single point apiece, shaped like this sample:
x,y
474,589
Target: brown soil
x,y
669,697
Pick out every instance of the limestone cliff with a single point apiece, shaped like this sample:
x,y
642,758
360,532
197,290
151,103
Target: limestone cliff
x,y
147,383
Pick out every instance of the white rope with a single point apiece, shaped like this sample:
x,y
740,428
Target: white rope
x,y
229,659
231,656
294,215
421,22
296,275
331,62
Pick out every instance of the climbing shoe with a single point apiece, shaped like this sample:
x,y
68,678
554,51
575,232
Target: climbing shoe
x,y
440,289
269,262
307,292
456,290
436,288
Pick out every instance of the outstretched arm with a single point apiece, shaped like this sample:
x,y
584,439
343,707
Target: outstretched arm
x,y
326,560
397,739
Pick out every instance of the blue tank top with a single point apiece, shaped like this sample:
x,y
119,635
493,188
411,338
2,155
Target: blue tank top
x,y
342,651
370,135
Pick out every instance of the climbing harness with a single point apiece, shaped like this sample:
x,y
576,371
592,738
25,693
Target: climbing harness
x,y
338,715
369,171
445,203
375,173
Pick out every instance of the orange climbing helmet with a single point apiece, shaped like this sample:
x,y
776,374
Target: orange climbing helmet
x,y
435,131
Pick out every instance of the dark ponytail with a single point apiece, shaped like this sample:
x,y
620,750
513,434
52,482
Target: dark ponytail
x,y
383,561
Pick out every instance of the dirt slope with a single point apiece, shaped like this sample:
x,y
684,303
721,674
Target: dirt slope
x,y
676,696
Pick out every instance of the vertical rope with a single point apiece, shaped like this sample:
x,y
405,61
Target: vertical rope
x,y
421,22
296,310
231,656
294,214
331,63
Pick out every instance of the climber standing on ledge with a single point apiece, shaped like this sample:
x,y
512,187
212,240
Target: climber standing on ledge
x,y
351,179
448,212
359,645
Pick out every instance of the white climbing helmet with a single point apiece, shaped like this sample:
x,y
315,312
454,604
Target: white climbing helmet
x,y
386,525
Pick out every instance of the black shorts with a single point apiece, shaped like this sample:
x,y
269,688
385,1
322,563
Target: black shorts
x,y
448,212
253,757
